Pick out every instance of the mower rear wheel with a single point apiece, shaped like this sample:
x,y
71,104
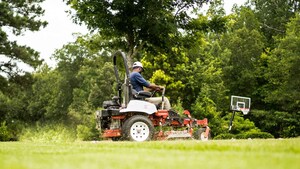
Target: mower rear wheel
x,y
138,128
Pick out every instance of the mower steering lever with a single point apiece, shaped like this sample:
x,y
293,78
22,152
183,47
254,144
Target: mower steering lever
x,y
153,93
160,89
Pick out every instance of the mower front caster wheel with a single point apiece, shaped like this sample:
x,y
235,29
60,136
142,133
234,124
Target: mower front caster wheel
x,y
201,135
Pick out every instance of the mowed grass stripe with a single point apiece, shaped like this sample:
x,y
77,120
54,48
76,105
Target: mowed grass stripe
x,y
273,154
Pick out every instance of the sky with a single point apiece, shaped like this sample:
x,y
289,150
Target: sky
x,y
60,29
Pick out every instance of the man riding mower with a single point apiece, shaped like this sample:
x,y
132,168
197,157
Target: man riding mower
x,y
137,116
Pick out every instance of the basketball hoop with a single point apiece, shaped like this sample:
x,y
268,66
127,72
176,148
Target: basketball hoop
x,y
239,104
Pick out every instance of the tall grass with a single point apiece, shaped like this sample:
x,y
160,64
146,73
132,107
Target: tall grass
x,y
54,133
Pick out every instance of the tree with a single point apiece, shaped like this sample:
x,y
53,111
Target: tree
x,y
51,96
17,17
79,83
14,100
135,24
273,16
283,71
240,52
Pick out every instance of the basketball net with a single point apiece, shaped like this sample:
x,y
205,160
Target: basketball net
x,y
244,110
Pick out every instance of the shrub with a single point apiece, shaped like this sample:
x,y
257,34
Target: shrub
x,y
84,133
278,123
85,123
178,106
4,133
256,134
246,135
224,136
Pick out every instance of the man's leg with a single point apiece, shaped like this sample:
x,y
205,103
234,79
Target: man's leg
x,y
158,100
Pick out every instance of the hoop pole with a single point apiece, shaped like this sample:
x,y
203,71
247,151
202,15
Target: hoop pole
x,y
232,117
163,99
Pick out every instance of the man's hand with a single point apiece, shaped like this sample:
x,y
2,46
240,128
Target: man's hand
x,y
156,87
159,88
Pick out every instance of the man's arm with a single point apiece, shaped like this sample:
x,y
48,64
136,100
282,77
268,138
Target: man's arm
x,y
145,83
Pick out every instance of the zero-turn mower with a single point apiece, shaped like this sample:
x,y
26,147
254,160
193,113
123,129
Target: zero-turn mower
x,y
129,117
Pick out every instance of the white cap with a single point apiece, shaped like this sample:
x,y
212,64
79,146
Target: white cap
x,y
137,64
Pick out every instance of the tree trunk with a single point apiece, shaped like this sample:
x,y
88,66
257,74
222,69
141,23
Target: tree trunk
x,y
131,46
129,58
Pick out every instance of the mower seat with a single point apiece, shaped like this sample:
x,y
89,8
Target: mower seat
x,y
141,95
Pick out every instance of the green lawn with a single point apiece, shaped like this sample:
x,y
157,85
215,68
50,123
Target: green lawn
x,y
218,154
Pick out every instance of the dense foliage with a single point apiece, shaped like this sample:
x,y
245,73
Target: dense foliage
x,y
202,61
